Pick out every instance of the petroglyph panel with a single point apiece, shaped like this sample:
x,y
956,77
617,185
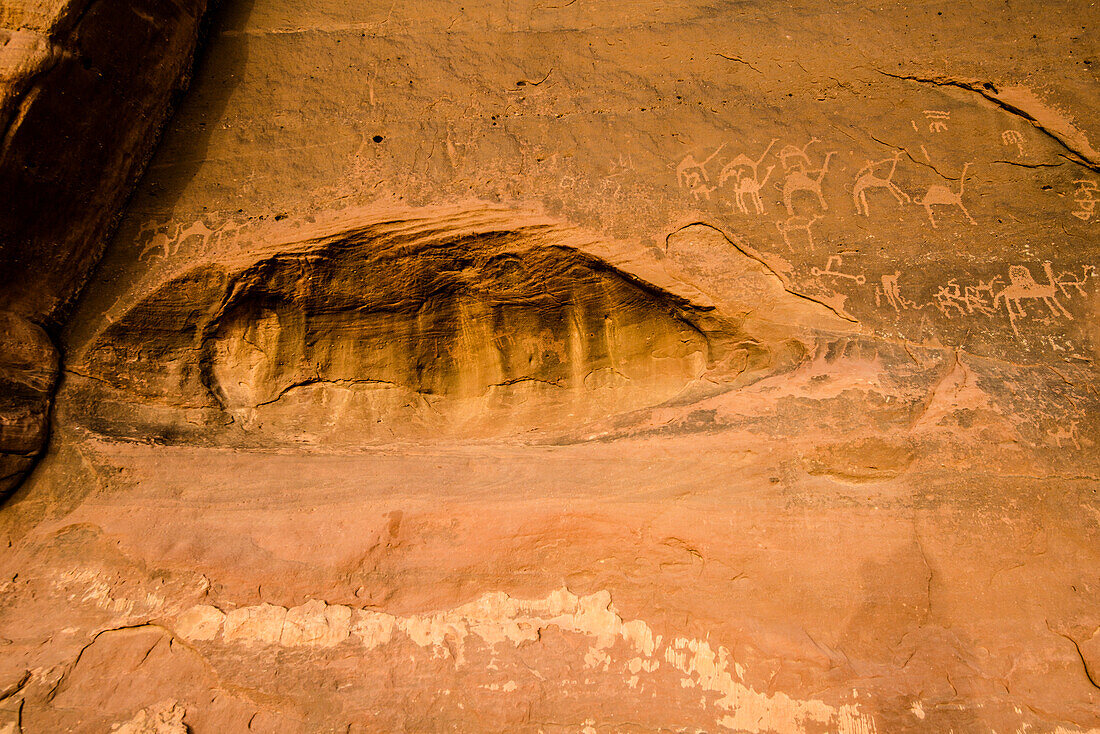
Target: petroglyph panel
x,y
433,328
378,334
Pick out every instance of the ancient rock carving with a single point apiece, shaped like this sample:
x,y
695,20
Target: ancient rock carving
x,y
890,289
797,223
968,299
692,174
494,332
937,120
1063,435
170,243
791,157
1066,280
797,164
1085,196
867,178
831,270
960,299
1023,286
745,173
940,195
1014,138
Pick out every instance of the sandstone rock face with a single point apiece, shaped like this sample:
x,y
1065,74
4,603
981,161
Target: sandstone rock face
x,y
85,86
584,367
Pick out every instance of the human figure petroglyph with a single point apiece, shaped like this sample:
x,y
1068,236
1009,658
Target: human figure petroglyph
x,y
796,223
747,186
834,262
949,297
1016,138
966,299
937,120
692,174
1023,286
800,180
890,289
867,179
940,195
1086,199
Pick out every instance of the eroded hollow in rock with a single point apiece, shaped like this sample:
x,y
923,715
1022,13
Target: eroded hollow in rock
x,y
359,339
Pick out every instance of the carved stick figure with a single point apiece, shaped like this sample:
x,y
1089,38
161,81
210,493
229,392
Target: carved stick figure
x,y
940,195
835,260
866,178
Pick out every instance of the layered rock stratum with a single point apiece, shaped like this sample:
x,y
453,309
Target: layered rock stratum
x,y
572,367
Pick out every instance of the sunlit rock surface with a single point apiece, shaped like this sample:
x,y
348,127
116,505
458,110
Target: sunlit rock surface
x,y
584,367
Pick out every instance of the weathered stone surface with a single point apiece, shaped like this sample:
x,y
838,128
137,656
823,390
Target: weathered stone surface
x,y
28,371
587,367
85,86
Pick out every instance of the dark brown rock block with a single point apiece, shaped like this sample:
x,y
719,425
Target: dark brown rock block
x,y
28,372
84,88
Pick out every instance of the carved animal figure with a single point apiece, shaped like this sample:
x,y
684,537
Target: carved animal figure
x,y
866,179
1062,434
747,186
940,195
791,156
1022,286
1066,281
171,243
801,181
692,173
795,223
